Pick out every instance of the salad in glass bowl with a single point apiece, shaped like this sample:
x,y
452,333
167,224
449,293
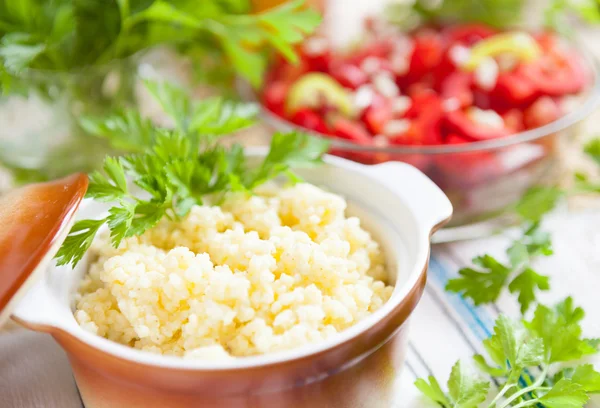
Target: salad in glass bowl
x,y
483,112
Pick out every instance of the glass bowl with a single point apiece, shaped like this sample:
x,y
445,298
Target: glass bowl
x,y
482,179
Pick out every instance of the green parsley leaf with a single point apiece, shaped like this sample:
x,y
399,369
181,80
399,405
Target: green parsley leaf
x,y
565,394
592,148
516,344
466,390
78,241
433,391
485,284
111,188
481,285
19,50
537,201
561,332
119,222
525,285
585,375
288,151
126,130
174,101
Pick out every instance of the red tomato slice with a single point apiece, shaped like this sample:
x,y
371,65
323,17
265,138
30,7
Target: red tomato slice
x,y
287,72
310,120
513,119
316,53
274,97
459,122
454,139
543,111
457,86
556,73
427,54
547,40
426,115
468,34
378,114
513,88
348,75
351,130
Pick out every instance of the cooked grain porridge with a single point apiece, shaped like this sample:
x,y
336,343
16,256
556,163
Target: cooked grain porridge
x,y
273,271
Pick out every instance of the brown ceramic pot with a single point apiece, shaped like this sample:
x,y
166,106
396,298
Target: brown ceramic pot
x,y
356,368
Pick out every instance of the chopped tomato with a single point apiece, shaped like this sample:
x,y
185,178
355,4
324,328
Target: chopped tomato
x,y
458,121
513,119
556,73
457,86
427,87
274,97
378,114
543,111
547,40
288,72
309,119
351,130
315,52
454,139
349,75
468,34
425,115
427,54
513,88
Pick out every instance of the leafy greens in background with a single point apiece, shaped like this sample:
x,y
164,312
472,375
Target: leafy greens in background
x,y
497,13
67,35
177,168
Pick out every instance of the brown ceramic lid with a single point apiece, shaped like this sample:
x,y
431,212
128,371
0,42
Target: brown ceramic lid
x,y
33,221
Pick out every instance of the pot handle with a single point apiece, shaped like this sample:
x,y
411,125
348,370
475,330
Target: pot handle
x,y
430,205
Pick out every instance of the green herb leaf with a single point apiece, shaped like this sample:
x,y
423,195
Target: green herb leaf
x,y
481,285
433,391
78,241
585,375
565,394
592,148
18,51
289,150
110,188
119,222
125,130
466,390
525,284
537,201
561,332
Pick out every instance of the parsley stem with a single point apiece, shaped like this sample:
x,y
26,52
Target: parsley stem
x,y
503,391
527,403
526,390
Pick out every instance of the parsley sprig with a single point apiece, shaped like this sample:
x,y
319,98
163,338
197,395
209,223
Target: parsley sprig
x,y
65,35
484,282
557,14
177,168
487,278
515,350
